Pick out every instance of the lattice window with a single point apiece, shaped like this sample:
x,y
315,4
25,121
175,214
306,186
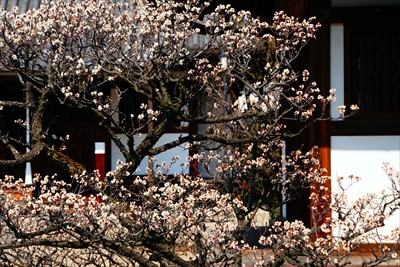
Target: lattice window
x,y
130,104
372,68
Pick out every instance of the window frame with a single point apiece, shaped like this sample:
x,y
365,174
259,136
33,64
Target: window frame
x,y
381,123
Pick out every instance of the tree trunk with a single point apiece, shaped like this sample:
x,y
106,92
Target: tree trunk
x,y
240,235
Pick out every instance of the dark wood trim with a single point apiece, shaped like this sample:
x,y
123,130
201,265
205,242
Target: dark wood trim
x,y
386,14
361,127
368,249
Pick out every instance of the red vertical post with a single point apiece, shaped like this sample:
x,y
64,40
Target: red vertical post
x,y
100,151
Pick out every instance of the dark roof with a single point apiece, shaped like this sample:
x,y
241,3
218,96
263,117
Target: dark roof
x,y
23,5
259,8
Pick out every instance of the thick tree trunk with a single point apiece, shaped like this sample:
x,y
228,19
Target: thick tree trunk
x,y
68,164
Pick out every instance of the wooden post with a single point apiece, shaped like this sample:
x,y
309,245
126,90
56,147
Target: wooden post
x,y
28,168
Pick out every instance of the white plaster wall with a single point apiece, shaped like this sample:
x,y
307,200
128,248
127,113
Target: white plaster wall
x,y
363,156
165,156
358,155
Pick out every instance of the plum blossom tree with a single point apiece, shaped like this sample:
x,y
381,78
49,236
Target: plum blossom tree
x,y
239,81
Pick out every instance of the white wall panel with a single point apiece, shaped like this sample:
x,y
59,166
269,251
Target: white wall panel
x,y
337,66
363,156
165,156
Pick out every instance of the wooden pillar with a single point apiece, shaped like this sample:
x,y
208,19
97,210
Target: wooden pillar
x,y
319,67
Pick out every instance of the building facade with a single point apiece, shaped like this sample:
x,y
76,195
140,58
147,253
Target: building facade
x,y
357,52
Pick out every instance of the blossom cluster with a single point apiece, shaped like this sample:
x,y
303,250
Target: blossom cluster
x,y
181,214
338,229
90,217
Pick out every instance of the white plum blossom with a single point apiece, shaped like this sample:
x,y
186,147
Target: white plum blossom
x,y
241,103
